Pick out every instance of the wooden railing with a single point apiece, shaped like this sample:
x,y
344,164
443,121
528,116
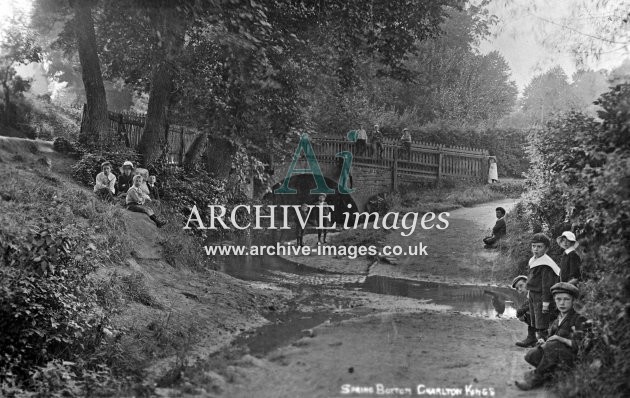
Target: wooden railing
x,y
127,128
424,161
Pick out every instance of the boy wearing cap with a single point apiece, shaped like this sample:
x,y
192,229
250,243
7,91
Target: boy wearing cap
x,y
126,178
543,274
520,285
105,185
570,261
561,348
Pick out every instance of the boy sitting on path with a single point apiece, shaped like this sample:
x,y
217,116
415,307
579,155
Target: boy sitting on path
x,y
561,348
570,261
498,231
105,185
136,198
543,274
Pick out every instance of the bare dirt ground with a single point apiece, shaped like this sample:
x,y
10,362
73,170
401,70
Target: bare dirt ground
x,y
395,346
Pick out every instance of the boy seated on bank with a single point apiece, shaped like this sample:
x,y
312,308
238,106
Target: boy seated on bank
x,y
543,274
520,285
136,199
105,184
561,348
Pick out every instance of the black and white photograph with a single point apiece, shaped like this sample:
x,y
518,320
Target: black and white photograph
x,y
315,198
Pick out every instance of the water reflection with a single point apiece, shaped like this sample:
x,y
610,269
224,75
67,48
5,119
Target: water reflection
x,y
481,300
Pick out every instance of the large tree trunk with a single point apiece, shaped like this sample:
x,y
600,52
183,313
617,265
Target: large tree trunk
x,y
97,125
194,151
154,134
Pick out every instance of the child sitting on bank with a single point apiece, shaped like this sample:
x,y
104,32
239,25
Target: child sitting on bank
x,y
136,199
126,178
561,348
543,274
105,185
520,285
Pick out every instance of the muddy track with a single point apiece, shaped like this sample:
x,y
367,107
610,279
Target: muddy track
x,y
394,330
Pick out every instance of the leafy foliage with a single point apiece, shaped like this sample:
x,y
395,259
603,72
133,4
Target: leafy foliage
x,y
47,308
579,181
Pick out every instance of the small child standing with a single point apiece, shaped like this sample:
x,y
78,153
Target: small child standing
x,y
299,228
323,208
543,273
520,285
570,261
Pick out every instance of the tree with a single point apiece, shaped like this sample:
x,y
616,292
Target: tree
x,y
97,126
73,25
546,95
18,47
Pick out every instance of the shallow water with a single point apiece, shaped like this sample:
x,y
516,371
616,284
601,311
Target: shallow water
x,y
477,300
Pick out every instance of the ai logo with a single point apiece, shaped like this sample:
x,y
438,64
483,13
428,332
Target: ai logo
x,y
314,169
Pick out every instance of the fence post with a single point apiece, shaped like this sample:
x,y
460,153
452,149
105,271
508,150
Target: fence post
x,y
181,145
440,159
395,173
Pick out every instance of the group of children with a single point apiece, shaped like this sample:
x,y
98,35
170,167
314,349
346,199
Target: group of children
x,y
376,144
132,186
551,291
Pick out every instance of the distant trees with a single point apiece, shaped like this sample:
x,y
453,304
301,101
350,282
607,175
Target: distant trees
x,y
18,47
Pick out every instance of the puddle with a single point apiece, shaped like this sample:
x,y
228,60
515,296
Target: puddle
x,y
474,299
283,330
477,300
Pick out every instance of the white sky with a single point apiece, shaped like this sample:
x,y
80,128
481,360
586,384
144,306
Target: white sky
x,y
529,38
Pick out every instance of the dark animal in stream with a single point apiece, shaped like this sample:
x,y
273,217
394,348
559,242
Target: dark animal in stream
x,y
498,302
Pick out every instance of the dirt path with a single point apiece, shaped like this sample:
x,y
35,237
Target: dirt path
x,y
454,254
397,346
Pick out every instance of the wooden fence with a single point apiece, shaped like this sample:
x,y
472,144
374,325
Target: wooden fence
x,y
425,161
127,128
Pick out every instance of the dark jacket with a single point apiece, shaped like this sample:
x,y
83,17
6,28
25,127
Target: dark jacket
x,y
524,309
572,327
540,280
499,230
570,266
124,183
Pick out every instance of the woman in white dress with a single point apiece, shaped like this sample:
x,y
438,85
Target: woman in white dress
x,y
493,174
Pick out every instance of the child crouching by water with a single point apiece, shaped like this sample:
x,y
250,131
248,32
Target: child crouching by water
x,y
136,198
561,348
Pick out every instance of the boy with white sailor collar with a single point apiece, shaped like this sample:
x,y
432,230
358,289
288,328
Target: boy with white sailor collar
x,y
543,274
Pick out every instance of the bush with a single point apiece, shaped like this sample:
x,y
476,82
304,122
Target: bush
x,y
48,309
579,180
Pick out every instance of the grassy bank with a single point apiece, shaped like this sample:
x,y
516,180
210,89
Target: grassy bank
x,y
94,299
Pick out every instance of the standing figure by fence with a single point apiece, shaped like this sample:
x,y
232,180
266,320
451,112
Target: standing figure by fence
x,y
493,174
405,142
